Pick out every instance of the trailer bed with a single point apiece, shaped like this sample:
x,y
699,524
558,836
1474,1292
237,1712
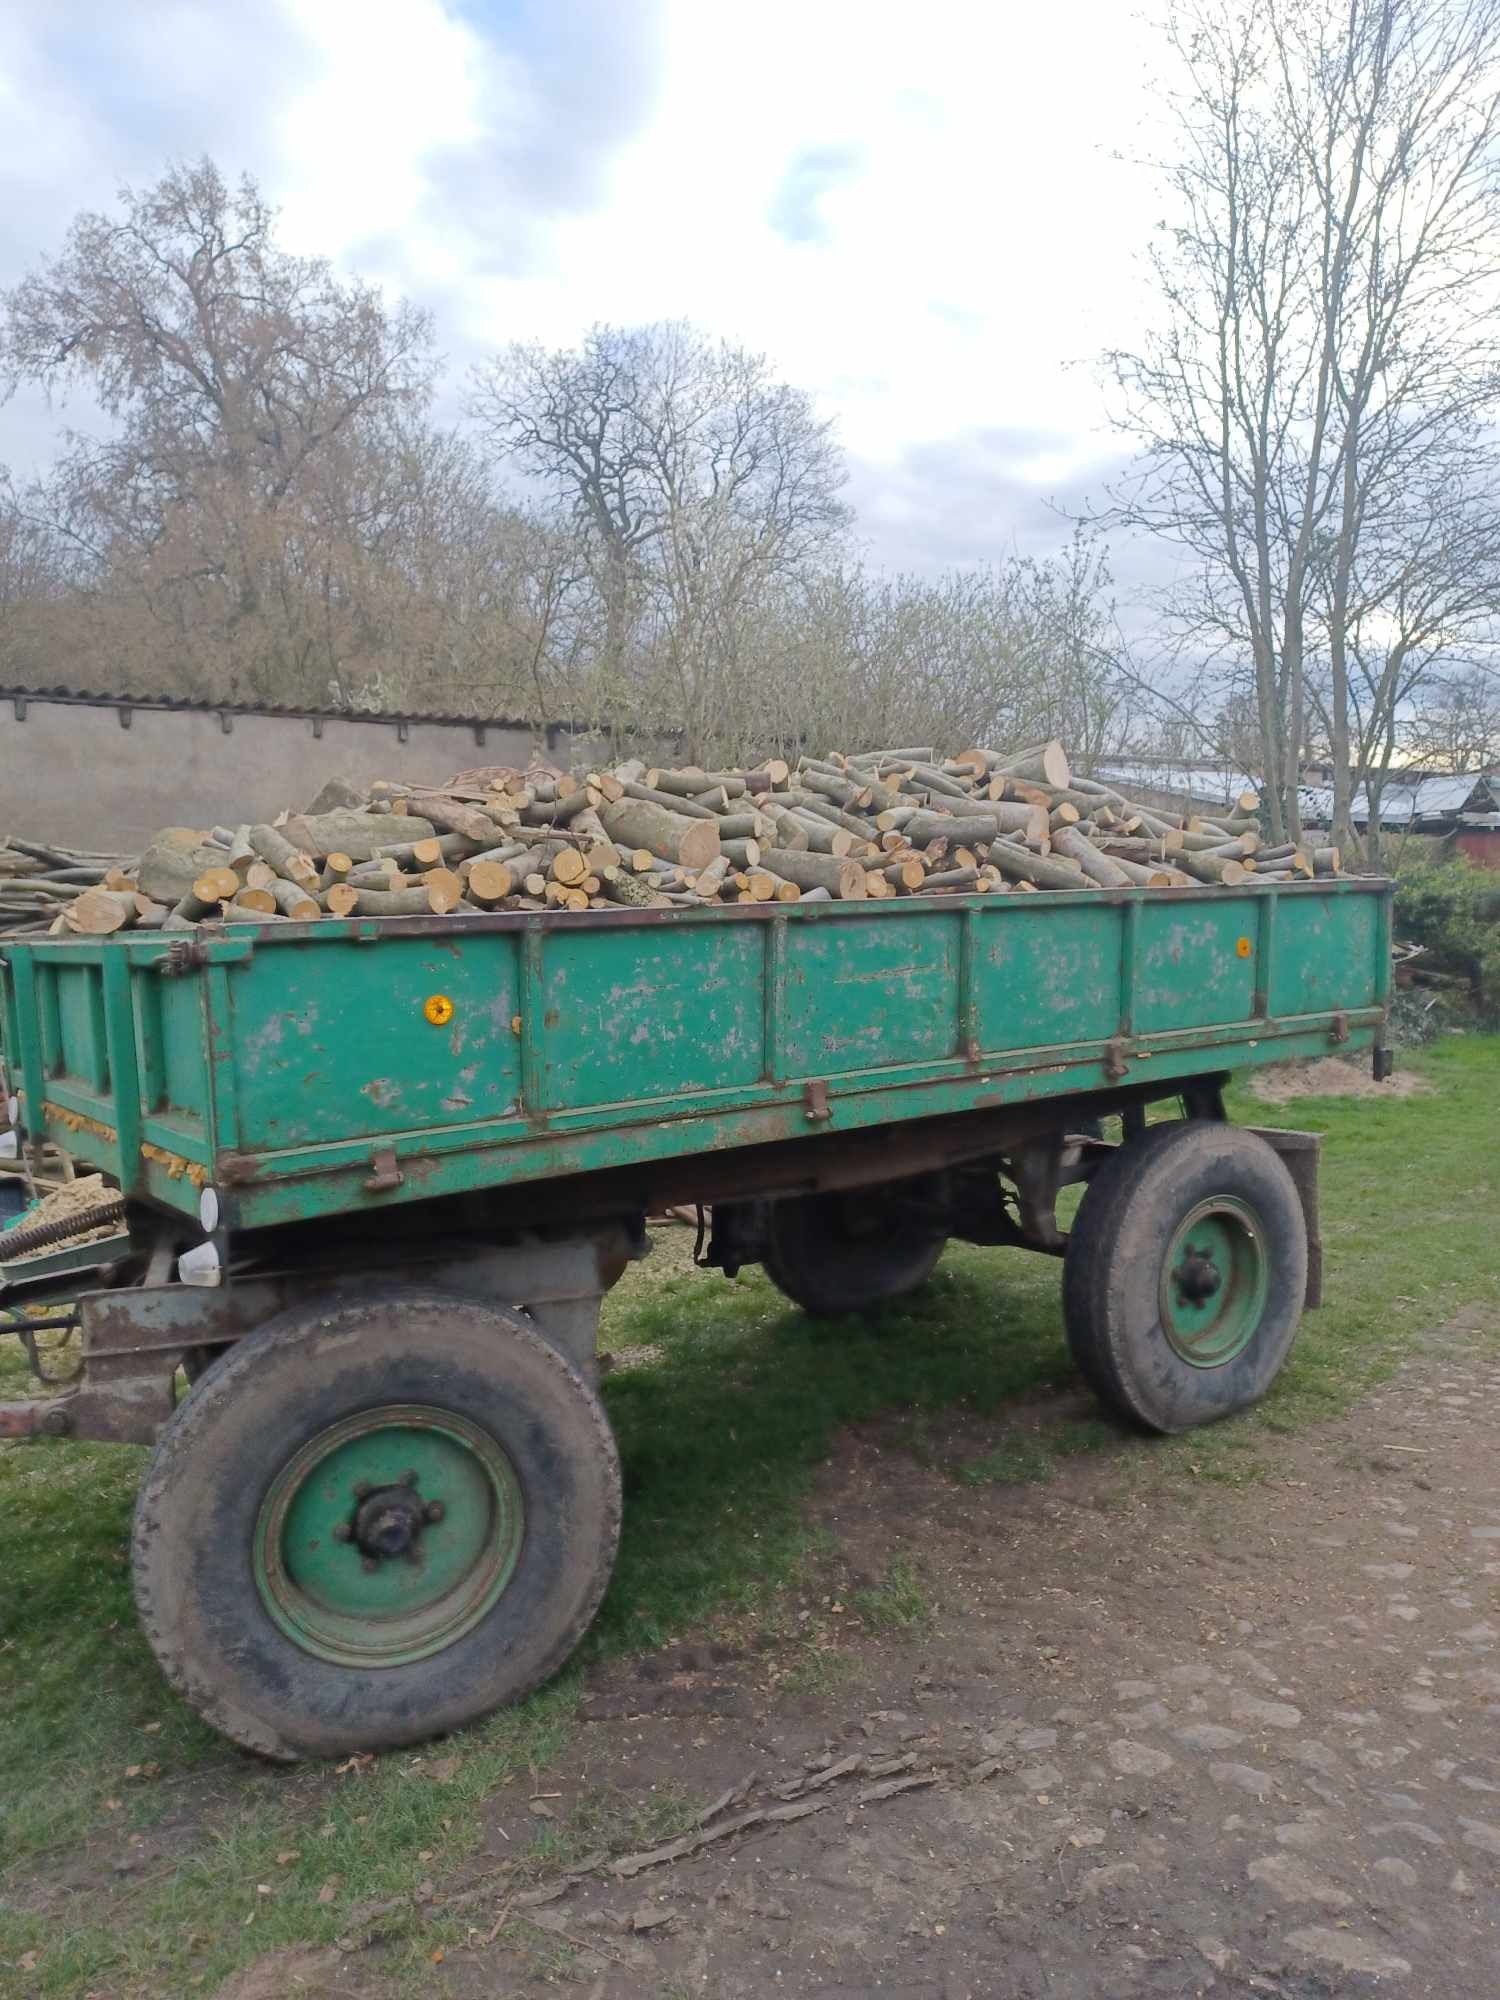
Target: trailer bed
x,y
316,1070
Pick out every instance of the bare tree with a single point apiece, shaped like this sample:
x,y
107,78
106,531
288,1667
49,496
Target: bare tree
x,y
697,475
237,377
1456,725
1328,336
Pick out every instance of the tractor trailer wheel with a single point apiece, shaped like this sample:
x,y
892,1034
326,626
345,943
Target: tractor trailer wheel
x,y
375,1522
1185,1275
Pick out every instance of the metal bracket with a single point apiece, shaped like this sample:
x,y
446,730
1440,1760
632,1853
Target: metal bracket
x,y
386,1174
181,956
1339,1030
1116,1058
815,1101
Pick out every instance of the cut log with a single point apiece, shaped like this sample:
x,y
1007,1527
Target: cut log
x,y
925,826
289,862
384,903
444,891
692,843
1218,868
844,879
568,867
167,869
1100,868
621,887
489,882
907,876
261,901
1047,765
1039,871
216,885
295,903
711,879
449,815
453,847
98,912
687,808
357,834
787,830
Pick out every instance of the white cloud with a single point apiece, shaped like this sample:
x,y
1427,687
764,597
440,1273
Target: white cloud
x,y
957,248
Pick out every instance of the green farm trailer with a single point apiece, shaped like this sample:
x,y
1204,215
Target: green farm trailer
x,y
375,1178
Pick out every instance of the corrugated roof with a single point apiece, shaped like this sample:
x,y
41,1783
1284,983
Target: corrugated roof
x,y
1408,803
1210,782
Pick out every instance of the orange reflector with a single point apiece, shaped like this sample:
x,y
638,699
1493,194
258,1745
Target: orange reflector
x,y
439,1010
1243,947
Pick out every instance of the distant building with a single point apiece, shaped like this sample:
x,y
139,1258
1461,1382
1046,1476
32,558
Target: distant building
x,y
1463,811
1166,784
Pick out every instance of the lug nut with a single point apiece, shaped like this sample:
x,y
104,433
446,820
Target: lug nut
x,y
371,1563
408,1479
343,1532
362,1489
434,1511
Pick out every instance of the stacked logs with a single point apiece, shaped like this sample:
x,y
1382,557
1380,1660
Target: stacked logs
x,y
883,823
38,882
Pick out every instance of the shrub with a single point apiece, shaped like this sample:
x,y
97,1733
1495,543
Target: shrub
x,y
1451,908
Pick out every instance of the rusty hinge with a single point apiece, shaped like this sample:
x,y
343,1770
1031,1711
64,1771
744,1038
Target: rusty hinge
x,y
183,955
1339,1030
815,1101
385,1173
1116,1058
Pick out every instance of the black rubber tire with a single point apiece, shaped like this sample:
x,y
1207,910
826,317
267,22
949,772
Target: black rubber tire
x,y
828,1266
311,1368
1115,1255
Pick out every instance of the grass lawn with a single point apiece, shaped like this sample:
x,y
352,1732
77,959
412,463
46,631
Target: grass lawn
x,y
721,1421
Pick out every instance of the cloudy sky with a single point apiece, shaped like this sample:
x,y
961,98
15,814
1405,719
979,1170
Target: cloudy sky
x,y
918,211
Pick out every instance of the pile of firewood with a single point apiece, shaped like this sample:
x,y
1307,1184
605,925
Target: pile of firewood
x,y
38,882
879,824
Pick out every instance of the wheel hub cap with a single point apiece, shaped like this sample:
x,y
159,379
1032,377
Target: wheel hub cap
x,y
1214,1282
388,1523
386,1537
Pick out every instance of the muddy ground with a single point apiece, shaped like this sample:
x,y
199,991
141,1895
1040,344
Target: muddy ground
x,y
1155,1742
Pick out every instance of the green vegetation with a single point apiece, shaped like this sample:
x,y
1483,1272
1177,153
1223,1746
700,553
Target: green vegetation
x,y
1453,908
897,1605
735,1402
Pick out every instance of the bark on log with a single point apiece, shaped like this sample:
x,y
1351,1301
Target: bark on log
x,y
1100,868
294,902
1047,765
452,846
383,903
693,843
360,835
668,801
844,879
907,876
925,826
290,862
1041,871
451,815
1218,868
628,889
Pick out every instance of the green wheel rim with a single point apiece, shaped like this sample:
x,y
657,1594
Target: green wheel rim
x,y
388,1536
1214,1282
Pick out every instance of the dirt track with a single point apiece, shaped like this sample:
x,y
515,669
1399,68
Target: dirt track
x,y
1228,1742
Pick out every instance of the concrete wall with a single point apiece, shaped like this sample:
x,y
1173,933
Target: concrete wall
x,y
70,772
